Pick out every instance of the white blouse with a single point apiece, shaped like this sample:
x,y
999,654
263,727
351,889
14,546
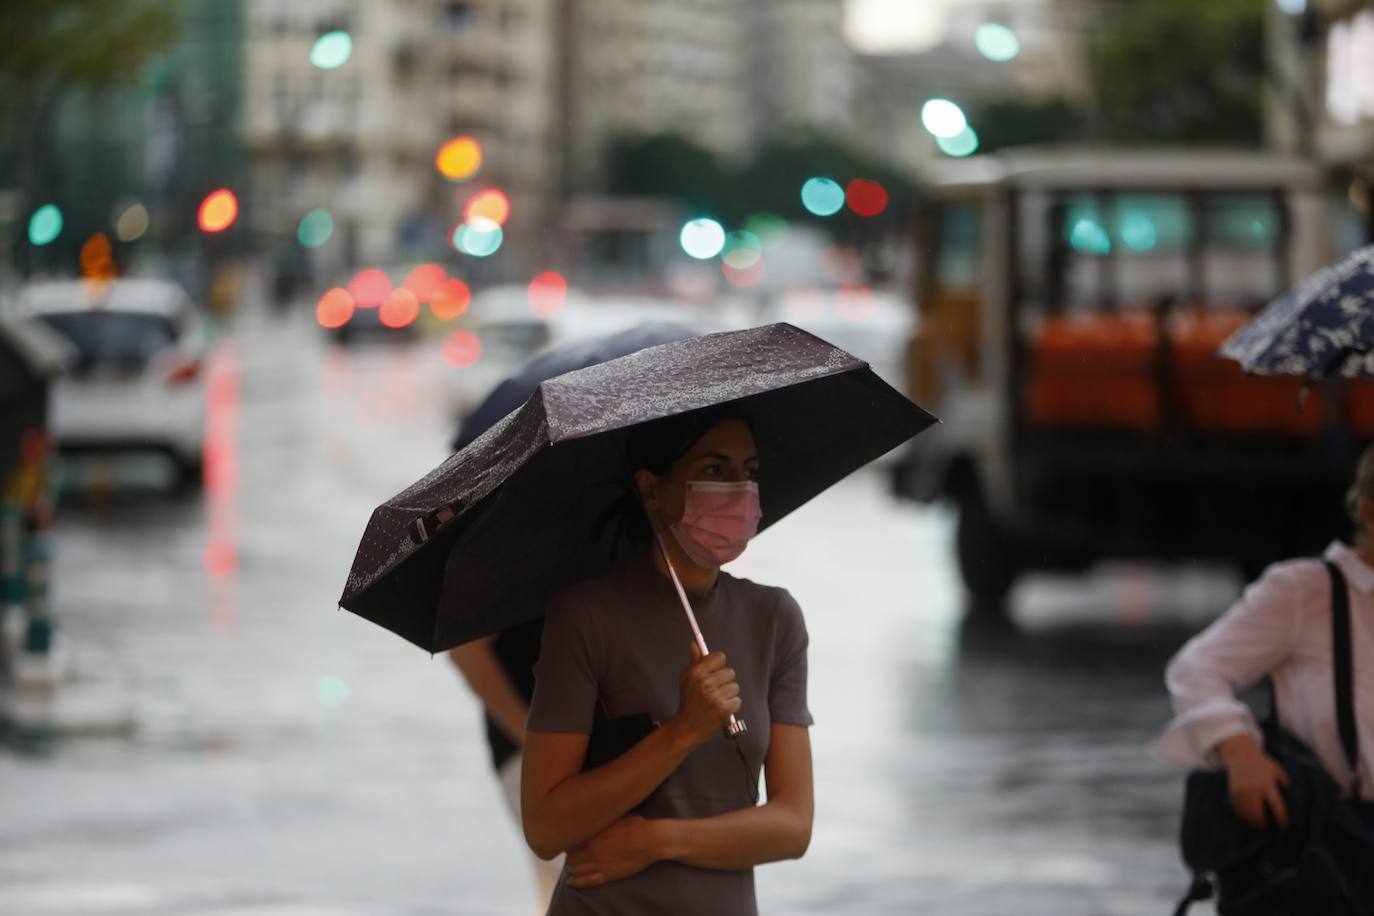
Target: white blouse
x,y
1281,626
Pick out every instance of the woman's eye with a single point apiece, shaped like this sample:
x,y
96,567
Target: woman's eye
x,y
711,470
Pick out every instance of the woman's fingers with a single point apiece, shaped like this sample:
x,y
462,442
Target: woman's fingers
x,y
1274,802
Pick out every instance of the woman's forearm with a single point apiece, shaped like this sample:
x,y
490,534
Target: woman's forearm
x,y
488,680
739,839
583,805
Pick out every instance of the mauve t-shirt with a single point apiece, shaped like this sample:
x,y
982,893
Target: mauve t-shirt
x,y
623,640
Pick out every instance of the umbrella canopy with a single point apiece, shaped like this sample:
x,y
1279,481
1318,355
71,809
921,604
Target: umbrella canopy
x,y
579,354
1323,328
485,540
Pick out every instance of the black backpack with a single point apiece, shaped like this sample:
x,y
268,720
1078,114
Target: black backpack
x,y
1323,863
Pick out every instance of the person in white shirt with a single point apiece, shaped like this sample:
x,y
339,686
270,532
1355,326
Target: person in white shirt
x,y
1280,628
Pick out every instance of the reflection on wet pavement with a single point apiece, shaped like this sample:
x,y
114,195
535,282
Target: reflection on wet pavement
x,y
289,758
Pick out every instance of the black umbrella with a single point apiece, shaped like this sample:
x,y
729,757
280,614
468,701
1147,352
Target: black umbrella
x,y
579,354
485,540
1321,329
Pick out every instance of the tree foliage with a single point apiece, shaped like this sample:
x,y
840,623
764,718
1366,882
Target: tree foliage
x,y
770,181
1182,71
81,42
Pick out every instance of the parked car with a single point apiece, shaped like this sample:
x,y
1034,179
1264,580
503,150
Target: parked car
x,y
136,382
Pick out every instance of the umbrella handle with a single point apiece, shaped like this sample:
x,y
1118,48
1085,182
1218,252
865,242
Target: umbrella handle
x,y
736,726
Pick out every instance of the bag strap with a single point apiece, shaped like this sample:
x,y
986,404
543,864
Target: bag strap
x,y
1342,663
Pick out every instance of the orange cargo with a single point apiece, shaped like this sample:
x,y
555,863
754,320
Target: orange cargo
x,y
1100,371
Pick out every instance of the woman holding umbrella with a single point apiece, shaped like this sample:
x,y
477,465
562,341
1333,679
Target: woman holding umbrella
x,y
672,824
625,767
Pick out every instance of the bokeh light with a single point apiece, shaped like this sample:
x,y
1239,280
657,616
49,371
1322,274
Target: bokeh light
x,y
45,225
1138,232
459,158
220,559
548,293
315,228
424,279
132,223
331,691
702,238
744,279
400,309
332,50
943,118
855,301
964,143
1292,7
996,42
866,197
450,299
335,308
490,204
822,196
742,249
480,238
369,288
769,227
218,211
97,258
1088,235
842,264
462,349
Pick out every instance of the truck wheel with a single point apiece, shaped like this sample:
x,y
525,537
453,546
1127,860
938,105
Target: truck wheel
x,y
988,559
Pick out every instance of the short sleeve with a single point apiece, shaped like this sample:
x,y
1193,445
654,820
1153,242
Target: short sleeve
x,y
565,677
787,681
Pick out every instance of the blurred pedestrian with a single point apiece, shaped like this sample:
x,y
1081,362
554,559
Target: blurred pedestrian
x,y
499,669
1281,628
667,821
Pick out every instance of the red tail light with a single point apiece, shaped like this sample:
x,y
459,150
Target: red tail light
x,y
183,372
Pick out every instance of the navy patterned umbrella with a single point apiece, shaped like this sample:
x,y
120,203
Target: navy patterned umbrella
x,y
1324,328
485,540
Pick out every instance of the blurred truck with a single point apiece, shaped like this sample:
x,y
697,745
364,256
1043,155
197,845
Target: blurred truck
x,y
1071,305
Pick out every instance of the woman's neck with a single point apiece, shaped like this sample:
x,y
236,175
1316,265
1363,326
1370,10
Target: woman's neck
x,y
1365,551
694,578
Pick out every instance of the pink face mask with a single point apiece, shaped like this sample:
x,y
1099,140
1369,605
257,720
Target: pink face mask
x,y
718,520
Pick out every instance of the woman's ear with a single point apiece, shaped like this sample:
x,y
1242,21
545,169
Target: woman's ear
x,y
646,482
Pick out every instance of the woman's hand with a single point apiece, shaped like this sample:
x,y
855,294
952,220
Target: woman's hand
x,y
1255,781
625,848
708,697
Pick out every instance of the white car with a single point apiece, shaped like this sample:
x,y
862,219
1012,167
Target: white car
x,y
136,380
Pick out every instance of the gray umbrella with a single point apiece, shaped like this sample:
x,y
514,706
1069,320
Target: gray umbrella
x,y
482,542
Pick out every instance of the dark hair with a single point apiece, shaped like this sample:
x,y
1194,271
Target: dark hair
x,y
654,447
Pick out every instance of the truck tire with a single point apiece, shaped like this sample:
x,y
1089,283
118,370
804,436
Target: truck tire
x,y
987,553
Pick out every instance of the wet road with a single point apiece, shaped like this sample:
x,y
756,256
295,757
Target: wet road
x,y
288,758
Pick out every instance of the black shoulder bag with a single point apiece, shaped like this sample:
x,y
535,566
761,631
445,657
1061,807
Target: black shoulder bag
x,y
1322,862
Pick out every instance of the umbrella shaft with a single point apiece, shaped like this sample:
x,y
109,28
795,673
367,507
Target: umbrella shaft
x,y
736,726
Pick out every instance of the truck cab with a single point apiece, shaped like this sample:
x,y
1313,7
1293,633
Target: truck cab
x,y
1072,303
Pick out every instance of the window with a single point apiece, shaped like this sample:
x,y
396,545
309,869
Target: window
x,y
125,340
1135,249
957,247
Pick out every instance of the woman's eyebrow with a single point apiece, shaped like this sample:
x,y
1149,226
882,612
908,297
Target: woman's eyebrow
x,y
718,456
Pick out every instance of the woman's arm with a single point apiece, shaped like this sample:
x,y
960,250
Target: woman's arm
x,y
479,666
1250,640
562,807
778,829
